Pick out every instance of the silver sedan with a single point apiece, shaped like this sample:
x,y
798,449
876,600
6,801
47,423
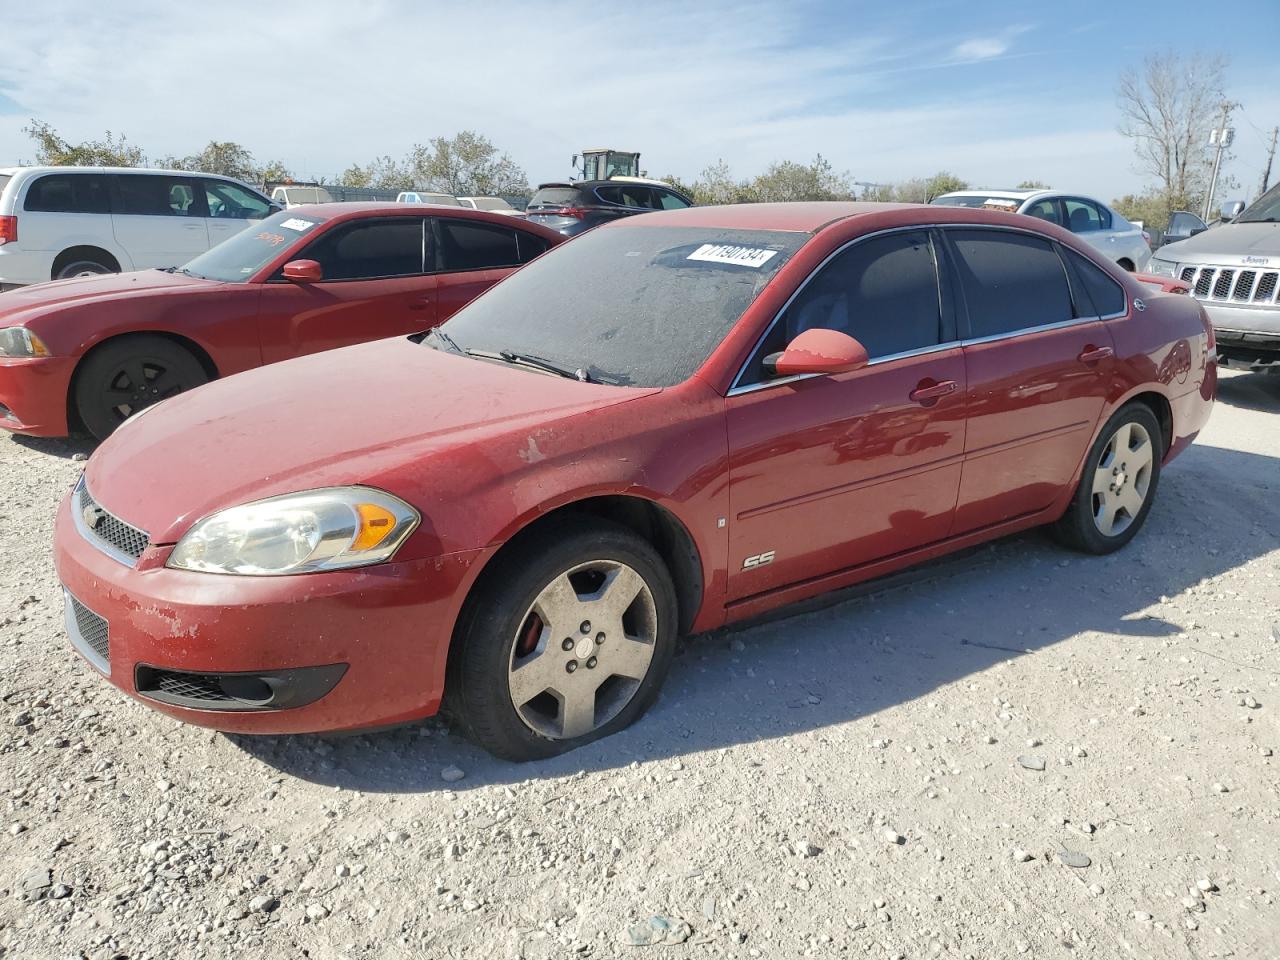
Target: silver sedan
x,y
1105,230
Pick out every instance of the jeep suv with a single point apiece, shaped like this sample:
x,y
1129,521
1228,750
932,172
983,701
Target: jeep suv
x,y
1234,270
573,208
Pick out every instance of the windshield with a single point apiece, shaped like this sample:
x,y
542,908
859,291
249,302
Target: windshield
x,y
443,199
491,203
999,203
239,257
1266,209
308,195
637,306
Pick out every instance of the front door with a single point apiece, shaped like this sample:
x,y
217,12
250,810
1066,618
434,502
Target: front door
x,y
373,287
831,472
230,208
1038,363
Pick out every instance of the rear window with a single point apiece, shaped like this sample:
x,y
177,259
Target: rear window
x,y
555,197
988,202
68,193
637,307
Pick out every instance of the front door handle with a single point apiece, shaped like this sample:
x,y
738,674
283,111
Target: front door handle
x,y
1094,354
924,392
420,304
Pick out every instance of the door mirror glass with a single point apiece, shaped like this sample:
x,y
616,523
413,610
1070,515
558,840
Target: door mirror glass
x,y
303,271
817,351
1231,209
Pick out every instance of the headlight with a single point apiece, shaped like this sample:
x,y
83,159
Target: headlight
x,y
1161,268
329,529
21,342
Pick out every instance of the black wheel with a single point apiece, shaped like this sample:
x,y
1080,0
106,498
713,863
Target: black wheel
x,y
1118,485
82,267
124,376
567,640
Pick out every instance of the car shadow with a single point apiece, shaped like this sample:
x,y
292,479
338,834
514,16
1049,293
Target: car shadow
x,y
1251,391
64,447
825,667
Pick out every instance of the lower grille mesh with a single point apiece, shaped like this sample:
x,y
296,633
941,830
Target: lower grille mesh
x,y
92,629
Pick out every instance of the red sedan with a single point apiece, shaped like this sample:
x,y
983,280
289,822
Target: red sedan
x,y
92,352
675,422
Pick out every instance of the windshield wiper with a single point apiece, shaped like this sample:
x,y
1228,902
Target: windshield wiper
x,y
530,360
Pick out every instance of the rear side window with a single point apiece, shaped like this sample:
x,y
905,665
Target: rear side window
x,y
1045,210
153,196
370,249
882,292
476,246
530,246
556,197
1084,216
1106,296
68,193
629,196
1011,281
670,201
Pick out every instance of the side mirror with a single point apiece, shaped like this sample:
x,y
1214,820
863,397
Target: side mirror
x,y
817,351
1197,230
1231,209
303,271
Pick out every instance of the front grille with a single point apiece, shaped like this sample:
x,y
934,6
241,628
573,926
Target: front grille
x,y
106,528
91,628
1228,284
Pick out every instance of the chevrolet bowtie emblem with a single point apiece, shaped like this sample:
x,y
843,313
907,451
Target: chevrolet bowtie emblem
x,y
93,516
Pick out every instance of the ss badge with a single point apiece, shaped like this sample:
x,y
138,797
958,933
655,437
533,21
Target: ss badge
x,y
759,560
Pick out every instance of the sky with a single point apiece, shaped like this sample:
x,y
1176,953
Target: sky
x,y
993,92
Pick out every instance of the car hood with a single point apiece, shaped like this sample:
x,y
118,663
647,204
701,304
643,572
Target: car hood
x,y
345,416
1228,245
60,293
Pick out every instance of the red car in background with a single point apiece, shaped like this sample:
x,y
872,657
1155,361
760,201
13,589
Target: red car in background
x,y
93,351
674,422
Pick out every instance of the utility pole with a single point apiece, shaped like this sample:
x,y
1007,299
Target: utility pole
x,y
1220,137
1271,155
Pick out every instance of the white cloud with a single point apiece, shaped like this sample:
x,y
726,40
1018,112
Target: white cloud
x,y
982,48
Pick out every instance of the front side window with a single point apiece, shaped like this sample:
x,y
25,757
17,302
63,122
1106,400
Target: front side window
x,y
1105,295
476,246
883,292
242,255
1084,217
1010,281
154,196
370,249
639,307
68,193
231,202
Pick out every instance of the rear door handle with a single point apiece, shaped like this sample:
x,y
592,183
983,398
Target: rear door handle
x,y
423,304
1094,354
922,394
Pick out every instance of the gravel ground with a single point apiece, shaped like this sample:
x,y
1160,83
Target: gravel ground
x,y
898,775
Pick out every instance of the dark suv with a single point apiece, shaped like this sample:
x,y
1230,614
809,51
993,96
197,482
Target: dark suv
x,y
572,208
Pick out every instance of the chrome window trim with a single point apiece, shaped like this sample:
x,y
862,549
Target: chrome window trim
x,y
737,387
1060,325
94,540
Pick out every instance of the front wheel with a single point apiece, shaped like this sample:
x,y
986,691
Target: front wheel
x,y
567,640
126,375
1118,486
84,267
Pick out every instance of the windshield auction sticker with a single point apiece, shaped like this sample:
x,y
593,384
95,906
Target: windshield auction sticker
x,y
752,257
297,224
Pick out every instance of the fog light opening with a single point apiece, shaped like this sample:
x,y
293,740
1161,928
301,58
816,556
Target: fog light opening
x,y
252,690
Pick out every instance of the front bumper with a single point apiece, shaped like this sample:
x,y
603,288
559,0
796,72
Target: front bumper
x,y
389,624
1245,333
33,395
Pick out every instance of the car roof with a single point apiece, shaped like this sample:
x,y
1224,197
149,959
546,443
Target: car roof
x,y
1003,194
351,209
148,171
798,217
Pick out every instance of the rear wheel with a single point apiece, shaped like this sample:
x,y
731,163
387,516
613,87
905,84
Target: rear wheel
x,y
1118,486
130,374
82,268
568,640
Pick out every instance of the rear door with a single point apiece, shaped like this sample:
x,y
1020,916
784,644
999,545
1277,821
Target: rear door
x,y
230,208
74,209
158,219
1038,366
374,287
473,255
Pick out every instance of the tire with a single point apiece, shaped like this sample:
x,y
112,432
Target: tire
x,y
130,374
502,632
1103,517
83,267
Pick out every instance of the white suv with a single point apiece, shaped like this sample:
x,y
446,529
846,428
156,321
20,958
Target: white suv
x,y
60,222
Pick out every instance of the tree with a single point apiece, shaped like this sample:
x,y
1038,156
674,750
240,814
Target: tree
x,y
918,190
381,173
788,181
274,171
1167,109
1151,209
466,165
226,159
111,151
1032,185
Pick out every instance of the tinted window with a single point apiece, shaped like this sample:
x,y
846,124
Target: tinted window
x,y
367,250
231,202
242,255
670,201
475,246
68,193
1083,216
157,196
882,292
643,307
556,197
1045,210
1184,223
530,246
629,196
1105,295
1011,281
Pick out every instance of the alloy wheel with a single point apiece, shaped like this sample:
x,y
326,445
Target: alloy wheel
x,y
583,649
1122,479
